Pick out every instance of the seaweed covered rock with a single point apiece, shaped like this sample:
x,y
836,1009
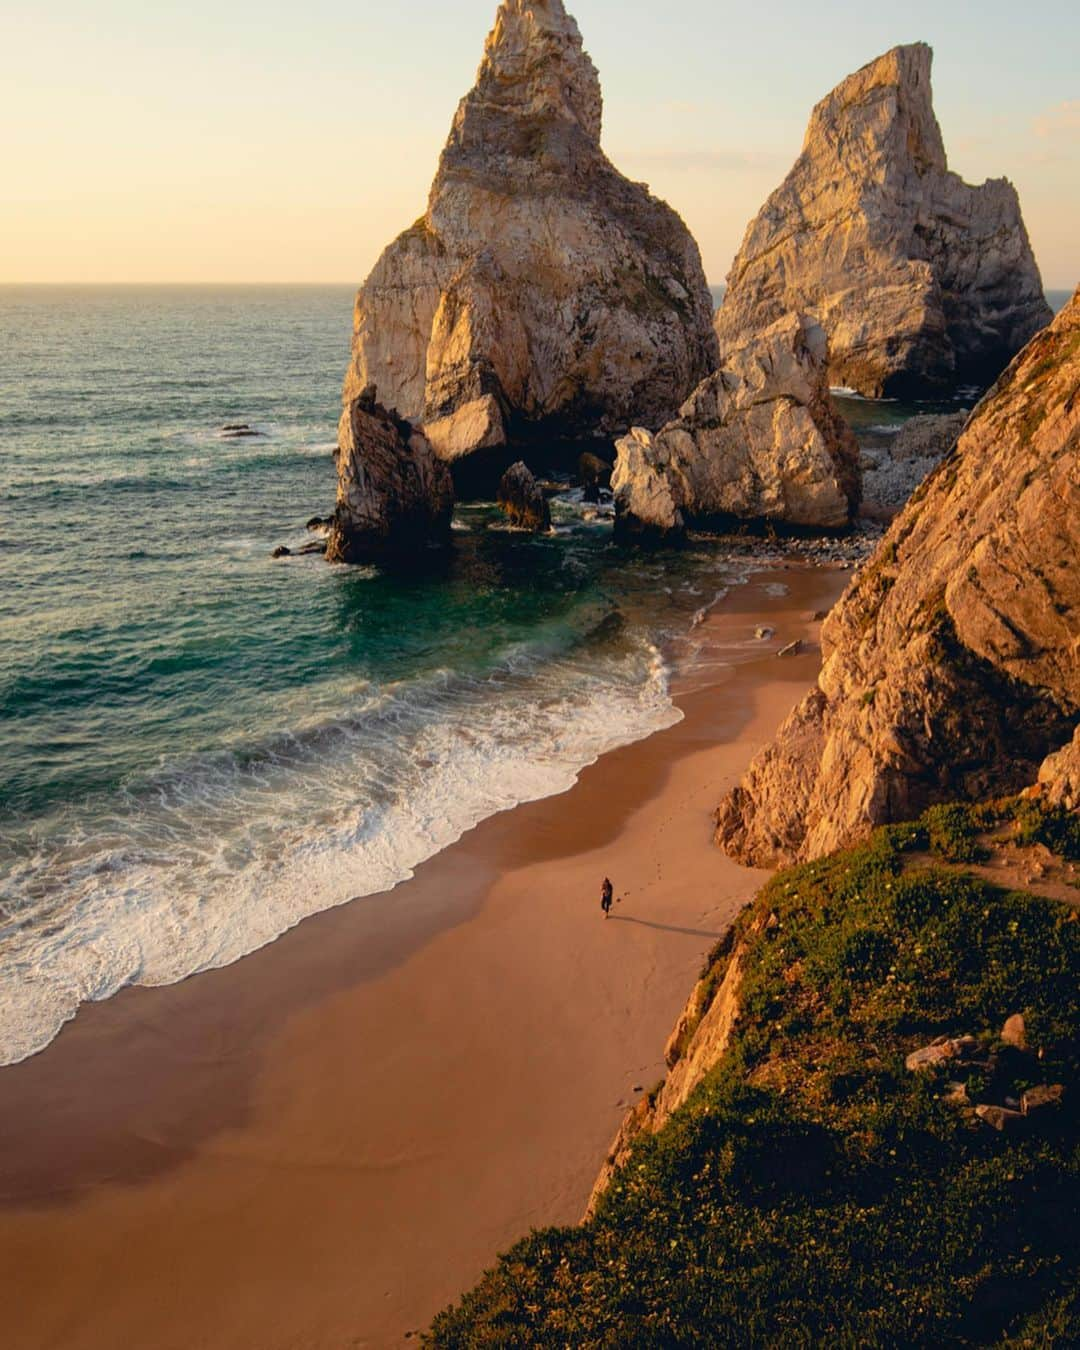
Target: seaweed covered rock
x,y
541,290
952,664
394,495
919,279
757,440
522,499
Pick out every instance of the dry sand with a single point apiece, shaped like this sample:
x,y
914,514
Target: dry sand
x,y
324,1144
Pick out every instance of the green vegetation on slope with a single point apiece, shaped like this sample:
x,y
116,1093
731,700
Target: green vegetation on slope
x,y
815,1191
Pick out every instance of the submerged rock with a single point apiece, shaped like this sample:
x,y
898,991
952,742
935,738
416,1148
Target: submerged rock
x,y
950,665
394,495
919,279
522,499
540,287
757,440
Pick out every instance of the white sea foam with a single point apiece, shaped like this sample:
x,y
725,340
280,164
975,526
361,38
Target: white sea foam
x,y
210,860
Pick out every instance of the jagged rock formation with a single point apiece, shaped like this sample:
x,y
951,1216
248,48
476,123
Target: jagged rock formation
x,y
1059,777
757,440
522,499
394,495
952,664
541,290
893,469
919,279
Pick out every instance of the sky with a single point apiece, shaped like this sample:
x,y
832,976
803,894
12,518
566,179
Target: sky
x,y
228,141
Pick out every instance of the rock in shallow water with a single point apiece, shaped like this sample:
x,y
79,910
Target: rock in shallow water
x,y
540,286
394,495
757,440
523,500
919,279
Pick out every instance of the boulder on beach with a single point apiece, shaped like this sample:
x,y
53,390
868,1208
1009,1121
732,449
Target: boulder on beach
x,y
541,291
950,665
394,494
893,469
920,280
757,440
523,499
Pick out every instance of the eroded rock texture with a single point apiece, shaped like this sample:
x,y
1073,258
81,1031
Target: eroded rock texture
x,y
541,290
394,495
757,440
952,664
919,279
522,499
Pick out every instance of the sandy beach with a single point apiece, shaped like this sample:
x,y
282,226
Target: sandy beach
x,y
324,1144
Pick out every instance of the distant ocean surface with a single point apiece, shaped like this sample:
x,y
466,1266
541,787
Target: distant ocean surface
x,y
199,747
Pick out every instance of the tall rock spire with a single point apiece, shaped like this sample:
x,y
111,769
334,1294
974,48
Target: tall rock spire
x,y
920,280
542,292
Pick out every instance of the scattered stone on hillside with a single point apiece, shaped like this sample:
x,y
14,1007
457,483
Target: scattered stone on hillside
x,y
394,496
1014,1032
1042,1098
942,1051
764,634
758,440
541,288
963,624
792,649
522,499
1000,1118
920,280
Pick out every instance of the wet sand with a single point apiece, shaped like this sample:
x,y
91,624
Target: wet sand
x,y
325,1143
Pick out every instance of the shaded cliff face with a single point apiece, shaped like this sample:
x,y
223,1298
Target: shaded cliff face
x,y
919,279
757,440
540,288
952,664
394,496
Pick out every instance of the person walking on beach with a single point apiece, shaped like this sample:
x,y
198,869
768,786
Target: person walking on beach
x,y
607,894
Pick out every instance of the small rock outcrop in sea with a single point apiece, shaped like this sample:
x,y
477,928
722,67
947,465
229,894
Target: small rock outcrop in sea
x,y
541,291
394,495
523,500
757,440
919,279
894,469
951,665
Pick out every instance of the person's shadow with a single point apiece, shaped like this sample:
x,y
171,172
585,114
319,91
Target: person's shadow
x,y
669,928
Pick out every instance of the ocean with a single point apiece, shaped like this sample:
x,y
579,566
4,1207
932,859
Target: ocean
x,y
199,746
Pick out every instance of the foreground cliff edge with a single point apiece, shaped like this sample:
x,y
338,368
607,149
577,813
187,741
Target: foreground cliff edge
x,y
541,291
920,280
951,665
869,1132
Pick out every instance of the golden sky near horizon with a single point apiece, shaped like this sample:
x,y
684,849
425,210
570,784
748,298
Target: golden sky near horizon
x,y
259,145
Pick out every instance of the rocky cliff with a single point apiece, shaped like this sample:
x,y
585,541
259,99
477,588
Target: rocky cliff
x,y
952,664
541,290
394,496
757,440
919,279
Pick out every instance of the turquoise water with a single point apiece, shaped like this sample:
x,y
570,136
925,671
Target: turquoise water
x,y
198,746
201,746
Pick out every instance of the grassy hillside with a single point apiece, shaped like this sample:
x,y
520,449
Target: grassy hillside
x,y
814,1190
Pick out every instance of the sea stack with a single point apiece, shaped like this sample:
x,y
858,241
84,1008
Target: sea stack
x,y
541,292
757,440
951,665
394,495
920,280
